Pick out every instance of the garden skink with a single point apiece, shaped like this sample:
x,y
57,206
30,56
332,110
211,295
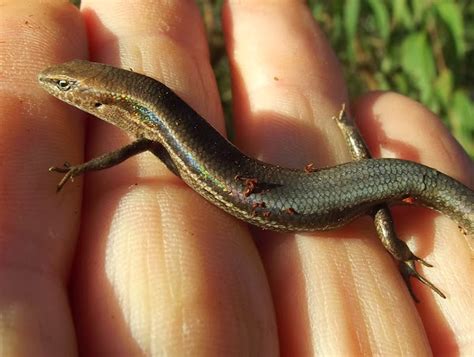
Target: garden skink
x,y
262,194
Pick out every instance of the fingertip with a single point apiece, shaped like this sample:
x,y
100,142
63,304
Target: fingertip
x,y
397,126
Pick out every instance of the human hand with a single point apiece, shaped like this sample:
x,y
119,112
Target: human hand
x,y
159,270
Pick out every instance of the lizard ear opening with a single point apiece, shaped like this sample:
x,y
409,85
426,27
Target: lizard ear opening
x,y
97,105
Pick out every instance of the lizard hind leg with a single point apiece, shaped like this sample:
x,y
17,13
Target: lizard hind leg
x,y
382,217
408,270
401,252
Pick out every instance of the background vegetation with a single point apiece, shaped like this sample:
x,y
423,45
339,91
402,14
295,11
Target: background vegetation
x,y
421,48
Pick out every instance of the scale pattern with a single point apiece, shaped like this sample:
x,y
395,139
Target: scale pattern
x,y
262,194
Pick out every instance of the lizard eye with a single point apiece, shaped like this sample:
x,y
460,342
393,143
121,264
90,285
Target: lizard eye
x,y
63,85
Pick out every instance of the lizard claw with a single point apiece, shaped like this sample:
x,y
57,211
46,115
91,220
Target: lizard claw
x,y
408,270
70,172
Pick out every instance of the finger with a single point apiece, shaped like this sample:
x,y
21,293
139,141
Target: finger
x,y
176,274
287,86
38,227
392,125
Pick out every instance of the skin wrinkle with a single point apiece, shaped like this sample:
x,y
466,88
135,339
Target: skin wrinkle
x,y
183,317
330,300
350,287
153,325
148,296
183,312
172,265
117,277
373,344
371,332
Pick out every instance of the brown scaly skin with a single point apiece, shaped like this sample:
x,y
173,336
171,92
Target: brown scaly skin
x,y
261,194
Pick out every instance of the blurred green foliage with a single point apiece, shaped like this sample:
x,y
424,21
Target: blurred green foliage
x,y
423,49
